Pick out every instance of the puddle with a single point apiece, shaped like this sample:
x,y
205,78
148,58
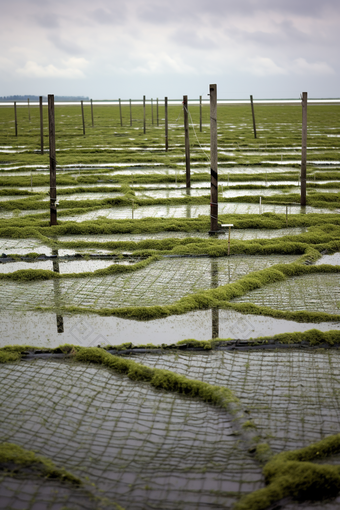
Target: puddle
x,y
62,266
188,211
333,260
41,329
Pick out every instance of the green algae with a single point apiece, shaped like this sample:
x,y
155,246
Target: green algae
x,y
293,474
13,457
157,378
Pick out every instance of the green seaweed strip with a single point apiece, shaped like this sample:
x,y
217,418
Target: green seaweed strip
x,y
160,379
28,275
312,336
11,453
293,474
221,296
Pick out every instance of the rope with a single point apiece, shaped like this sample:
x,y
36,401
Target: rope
x,y
193,127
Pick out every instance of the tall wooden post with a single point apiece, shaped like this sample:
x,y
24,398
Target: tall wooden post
x,y
120,113
15,119
253,114
82,116
53,163
151,111
157,112
187,141
130,114
304,150
166,124
201,114
28,107
92,113
213,157
41,125
144,120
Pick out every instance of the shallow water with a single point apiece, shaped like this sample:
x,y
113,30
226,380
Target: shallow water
x,y
41,329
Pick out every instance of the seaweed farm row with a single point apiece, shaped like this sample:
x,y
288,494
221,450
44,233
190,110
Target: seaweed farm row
x,y
144,362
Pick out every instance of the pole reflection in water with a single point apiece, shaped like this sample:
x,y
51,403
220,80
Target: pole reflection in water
x,y
188,192
57,294
215,318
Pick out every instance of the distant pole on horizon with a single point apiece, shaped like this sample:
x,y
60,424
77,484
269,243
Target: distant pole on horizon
x,y
41,125
15,119
144,120
253,114
166,124
187,141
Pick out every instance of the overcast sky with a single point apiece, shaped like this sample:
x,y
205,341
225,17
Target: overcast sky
x,y
107,49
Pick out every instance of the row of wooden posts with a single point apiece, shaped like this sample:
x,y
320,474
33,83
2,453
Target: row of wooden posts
x,y
214,227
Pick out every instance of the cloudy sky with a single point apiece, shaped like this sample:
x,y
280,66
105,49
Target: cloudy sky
x,y
129,48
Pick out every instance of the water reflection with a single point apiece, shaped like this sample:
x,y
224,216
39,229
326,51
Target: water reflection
x,y
57,294
188,192
214,311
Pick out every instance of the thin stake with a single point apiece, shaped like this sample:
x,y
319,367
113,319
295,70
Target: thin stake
x,y
15,118
53,163
213,156
157,112
41,125
92,113
253,113
120,113
82,116
229,240
144,120
166,124
187,141
304,149
201,114
151,111
130,113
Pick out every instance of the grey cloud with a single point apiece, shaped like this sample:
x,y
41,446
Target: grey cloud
x,y
109,17
69,47
188,10
192,39
48,20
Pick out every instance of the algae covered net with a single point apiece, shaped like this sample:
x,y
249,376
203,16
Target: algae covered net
x,y
144,363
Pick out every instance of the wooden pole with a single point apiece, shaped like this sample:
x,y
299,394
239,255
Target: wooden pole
x,y
120,113
53,163
166,124
15,118
253,114
304,149
201,114
214,311
82,116
151,111
29,112
130,113
92,113
157,112
144,121
213,157
41,125
187,141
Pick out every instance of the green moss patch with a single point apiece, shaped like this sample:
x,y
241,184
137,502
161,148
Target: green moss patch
x,y
14,457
